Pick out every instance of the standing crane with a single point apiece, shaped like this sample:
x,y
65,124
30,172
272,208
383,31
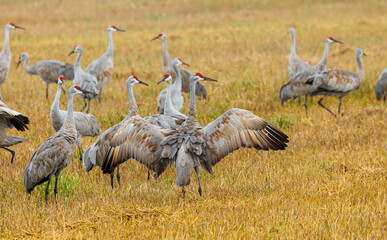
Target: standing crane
x,y
168,68
297,86
177,98
86,124
85,80
296,65
48,70
102,68
95,154
381,86
192,146
55,153
169,109
11,119
5,55
338,83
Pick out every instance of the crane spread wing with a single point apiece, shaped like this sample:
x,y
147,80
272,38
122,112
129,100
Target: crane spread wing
x,y
238,128
139,140
14,119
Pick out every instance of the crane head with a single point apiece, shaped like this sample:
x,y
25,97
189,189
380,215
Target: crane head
x,y
77,48
167,78
132,80
12,26
332,40
360,52
161,36
77,90
61,80
114,29
22,57
179,61
199,77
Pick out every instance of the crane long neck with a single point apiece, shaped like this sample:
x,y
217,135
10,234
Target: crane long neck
x,y
168,102
324,58
110,48
77,64
133,109
192,104
69,115
177,83
26,67
55,104
167,58
293,45
361,67
6,48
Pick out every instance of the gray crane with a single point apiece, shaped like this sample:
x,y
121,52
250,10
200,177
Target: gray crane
x,y
95,154
297,87
85,80
177,98
192,146
168,68
48,70
102,68
55,153
381,86
5,55
338,83
86,124
11,119
169,109
296,65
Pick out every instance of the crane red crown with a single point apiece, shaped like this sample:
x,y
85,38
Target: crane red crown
x,y
78,88
199,74
331,38
112,26
12,24
160,34
166,75
62,78
135,77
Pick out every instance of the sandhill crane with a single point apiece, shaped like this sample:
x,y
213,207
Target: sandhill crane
x,y
168,68
54,154
295,63
95,154
48,70
102,68
11,119
381,86
169,109
177,98
86,124
85,80
5,54
338,83
191,145
297,86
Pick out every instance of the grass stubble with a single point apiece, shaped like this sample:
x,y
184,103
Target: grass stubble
x,y
329,183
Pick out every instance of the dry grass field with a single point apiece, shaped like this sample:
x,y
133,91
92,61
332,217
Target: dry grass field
x,y
330,183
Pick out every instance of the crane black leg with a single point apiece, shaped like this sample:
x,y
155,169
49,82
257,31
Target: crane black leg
x,y
12,152
48,184
183,191
291,101
88,105
118,175
197,170
46,90
340,100
112,179
56,186
320,103
306,105
85,104
80,152
148,175
299,100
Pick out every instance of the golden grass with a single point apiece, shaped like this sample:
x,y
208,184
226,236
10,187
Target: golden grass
x,y
329,183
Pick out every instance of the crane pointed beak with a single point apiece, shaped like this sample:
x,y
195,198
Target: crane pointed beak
x,y
141,82
365,54
120,30
157,37
18,63
64,83
338,41
71,52
88,92
209,79
16,26
162,80
184,63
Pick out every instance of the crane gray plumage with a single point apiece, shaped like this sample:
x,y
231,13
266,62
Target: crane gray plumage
x,y
85,124
95,154
338,83
381,86
11,119
185,74
191,146
102,68
5,55
296,65
296,85
176,97
48,70
55,153
169,109
83,79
